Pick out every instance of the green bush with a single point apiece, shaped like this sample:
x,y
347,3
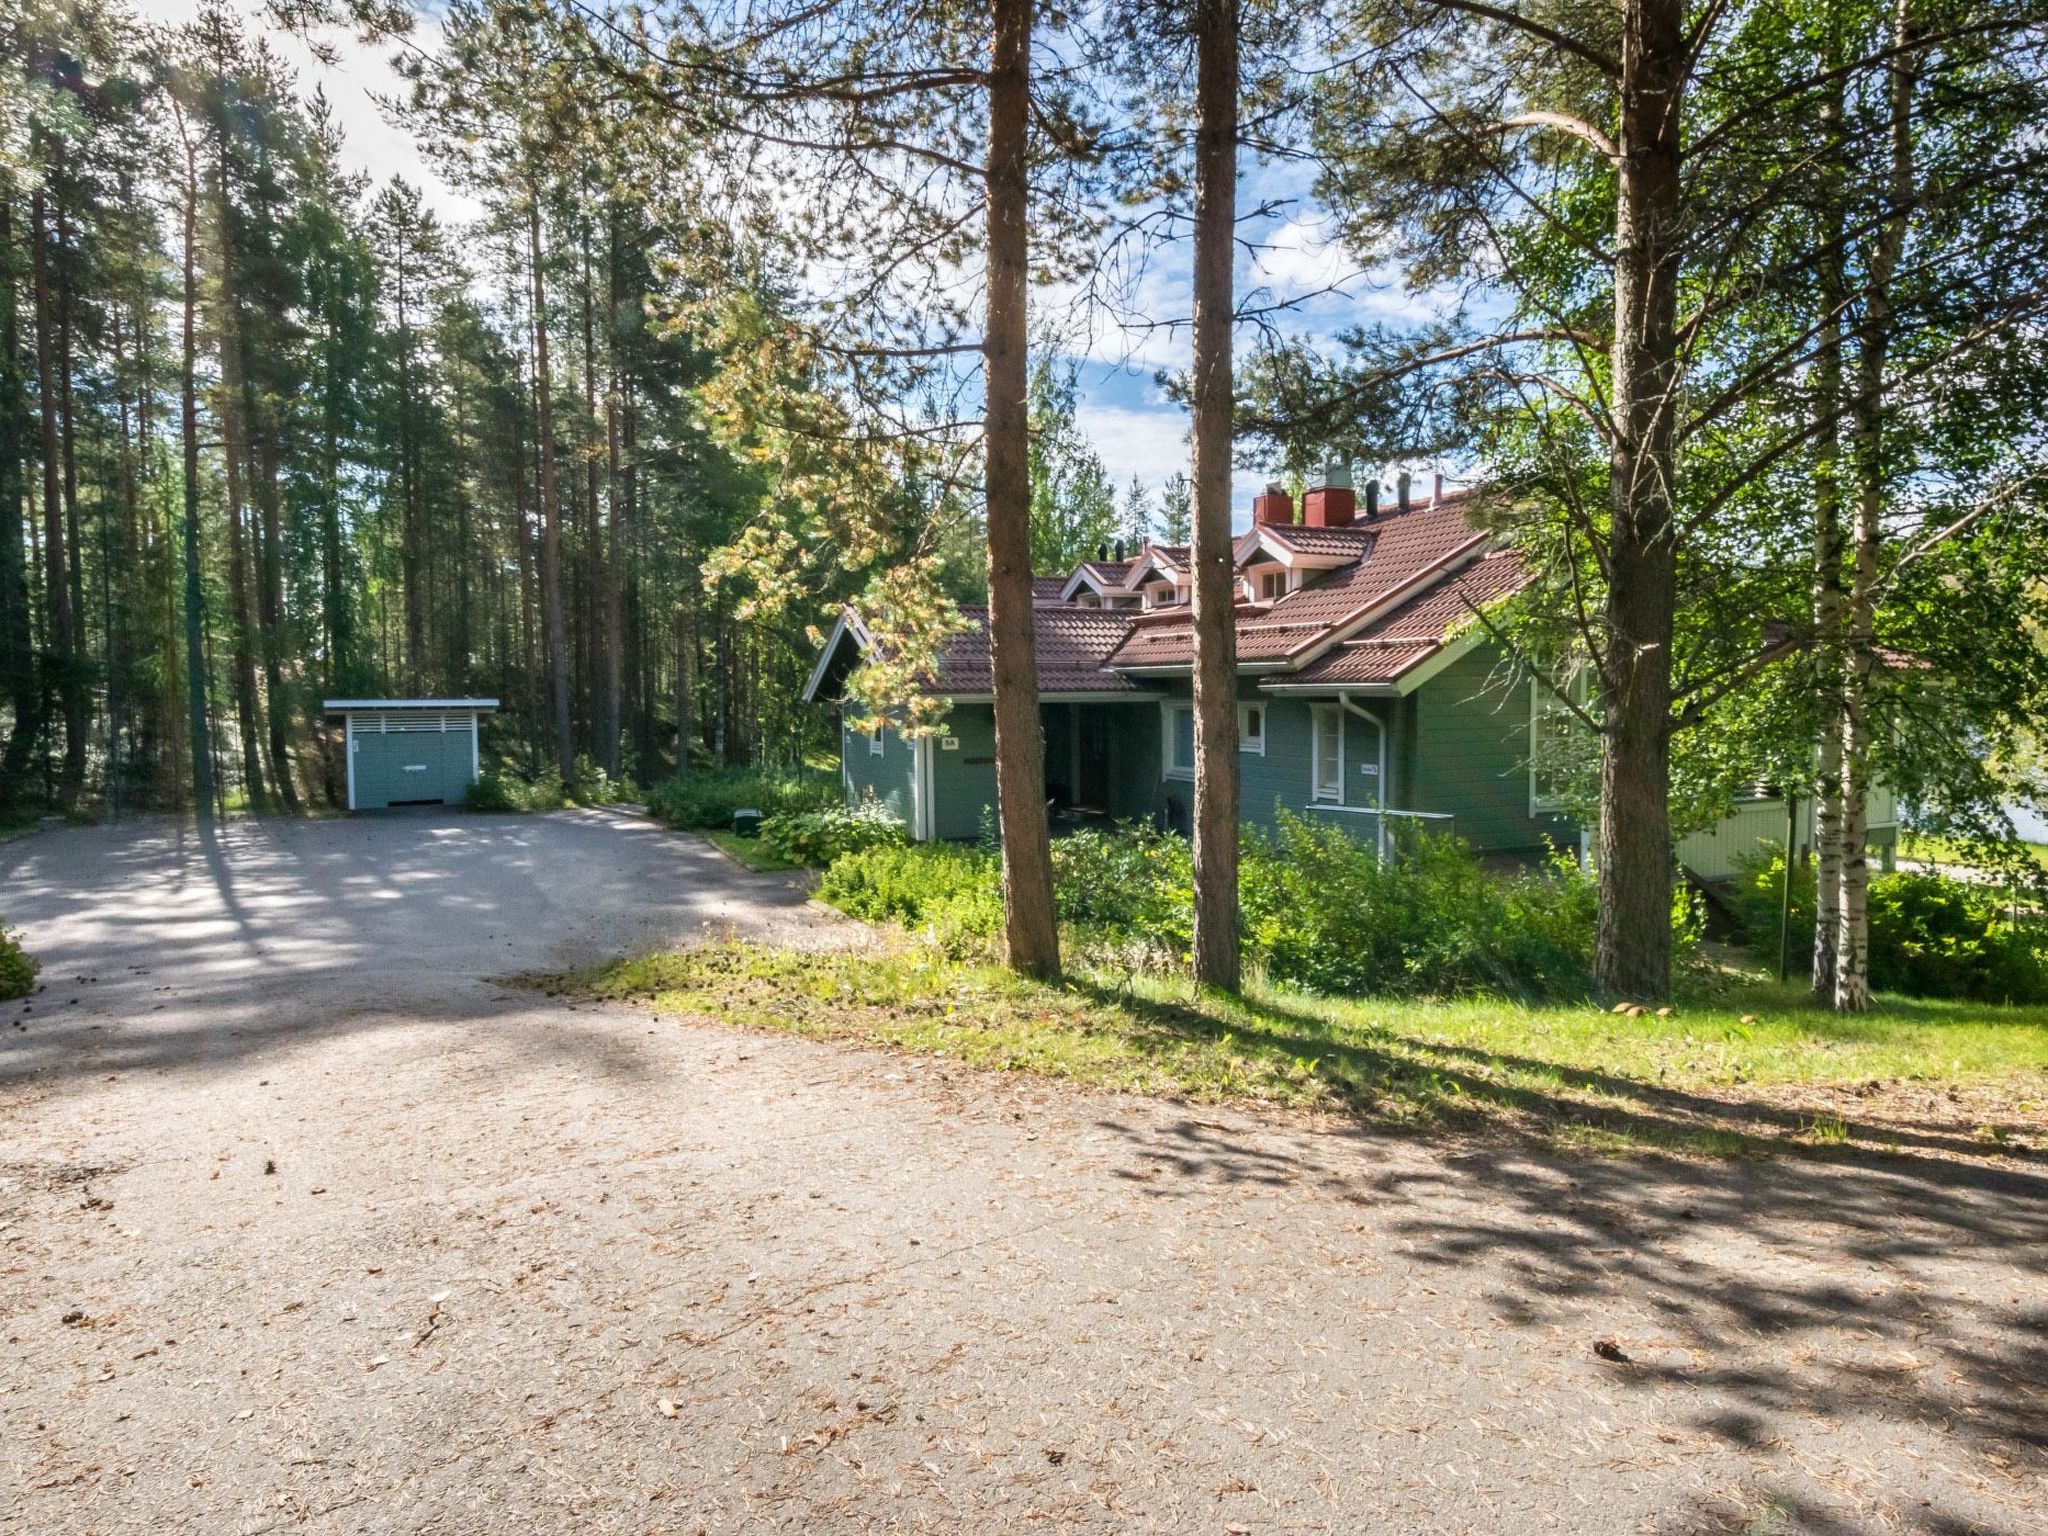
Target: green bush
x,y
18,969
501,790
816,838
707,797
1320,910
1930,935
954,893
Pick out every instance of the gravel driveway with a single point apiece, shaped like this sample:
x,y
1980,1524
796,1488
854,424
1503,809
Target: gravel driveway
x,y
306,1223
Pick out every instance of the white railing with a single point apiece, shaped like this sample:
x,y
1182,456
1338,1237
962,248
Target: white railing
x,y
1380,827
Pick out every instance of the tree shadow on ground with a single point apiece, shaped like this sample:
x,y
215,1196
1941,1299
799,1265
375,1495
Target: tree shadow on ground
x,y
1764,1294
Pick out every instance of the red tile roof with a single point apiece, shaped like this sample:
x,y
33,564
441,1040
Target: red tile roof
x,y
1402,547
1412,583
1072,645
1416,630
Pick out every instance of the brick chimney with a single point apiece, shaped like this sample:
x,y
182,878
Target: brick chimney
x,y
1273,505
1331,502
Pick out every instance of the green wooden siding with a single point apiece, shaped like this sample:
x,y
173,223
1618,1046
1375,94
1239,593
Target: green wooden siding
x,y
885,776
1471,756
963,777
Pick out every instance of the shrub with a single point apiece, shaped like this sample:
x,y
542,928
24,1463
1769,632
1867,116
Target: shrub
x,y
1930,935
1320,910
707,797
501,790
593,786
18,969
954,893
816,838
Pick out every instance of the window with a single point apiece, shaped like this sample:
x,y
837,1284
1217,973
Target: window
x,y
1180,741
1251,729
1326,772
1272,584
1559,753
875,741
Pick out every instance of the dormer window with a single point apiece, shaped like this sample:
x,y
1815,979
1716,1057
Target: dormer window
x,y
1272,584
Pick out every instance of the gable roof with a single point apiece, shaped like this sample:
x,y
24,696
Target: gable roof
x,y
1398,604
1103,575
1399,551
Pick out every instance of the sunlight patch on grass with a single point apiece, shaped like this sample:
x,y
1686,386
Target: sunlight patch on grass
x,y
1721,1077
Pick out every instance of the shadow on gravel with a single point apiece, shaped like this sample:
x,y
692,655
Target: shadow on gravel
x,y
1780,1292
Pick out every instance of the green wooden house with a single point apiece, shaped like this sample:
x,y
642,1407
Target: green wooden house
x,y
1367,694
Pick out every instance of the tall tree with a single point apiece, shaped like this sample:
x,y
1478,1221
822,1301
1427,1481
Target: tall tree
x,y
1215,567
1031,937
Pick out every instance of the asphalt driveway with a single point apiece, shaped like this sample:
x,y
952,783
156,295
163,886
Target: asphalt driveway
x,y
309,1222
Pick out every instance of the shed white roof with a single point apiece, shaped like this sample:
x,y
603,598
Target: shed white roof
x,y
342,706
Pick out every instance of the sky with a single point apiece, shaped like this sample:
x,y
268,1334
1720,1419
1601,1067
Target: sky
x,y
1122,408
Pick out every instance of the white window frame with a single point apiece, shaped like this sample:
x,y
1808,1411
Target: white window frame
x,y
1167,736
1251,744
1322,718
1544,705
1279,577
876,738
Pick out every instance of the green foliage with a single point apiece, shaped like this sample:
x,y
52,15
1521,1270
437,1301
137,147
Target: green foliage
x,y
815,838
955,894
1321,911
501,790
18,969
1073,503
593,786
1930,935
707,797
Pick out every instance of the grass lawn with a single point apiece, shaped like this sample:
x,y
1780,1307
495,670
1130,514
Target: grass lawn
x,y
1940,850
1749,1069
750,851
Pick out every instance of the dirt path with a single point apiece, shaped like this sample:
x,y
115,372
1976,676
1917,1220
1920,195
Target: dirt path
x,y
522,1266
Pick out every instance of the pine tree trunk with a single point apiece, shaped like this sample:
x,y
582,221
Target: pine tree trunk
x,y
17,639
1632,952
686,653
59,625
1867,448
1215,567
550,508
228,334
270,607
1031,936
195,599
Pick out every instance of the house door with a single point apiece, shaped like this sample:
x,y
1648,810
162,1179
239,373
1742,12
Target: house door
x,y
1091,792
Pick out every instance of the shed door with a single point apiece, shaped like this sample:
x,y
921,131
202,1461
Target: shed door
x,y
410,759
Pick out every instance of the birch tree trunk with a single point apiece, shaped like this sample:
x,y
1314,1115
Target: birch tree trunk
x,y
1829,612
1867,445
1031,936
1216,949
1632,953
